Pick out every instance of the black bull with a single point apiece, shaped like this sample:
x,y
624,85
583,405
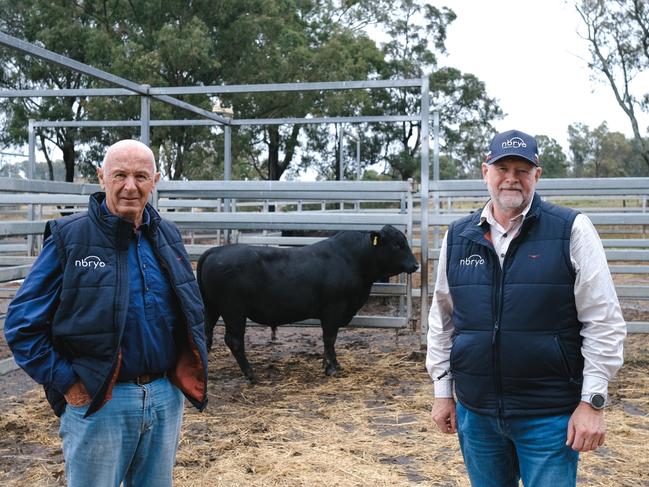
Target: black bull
x,y
329,280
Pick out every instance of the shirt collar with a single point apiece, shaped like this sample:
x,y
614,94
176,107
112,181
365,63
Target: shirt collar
x,y
487,214
146,218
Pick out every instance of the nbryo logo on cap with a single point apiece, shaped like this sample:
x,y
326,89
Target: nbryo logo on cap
x,y
514,142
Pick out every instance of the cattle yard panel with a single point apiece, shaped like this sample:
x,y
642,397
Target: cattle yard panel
x,y
270,206
616,206
25,206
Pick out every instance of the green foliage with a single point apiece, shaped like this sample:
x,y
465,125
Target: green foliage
x,y
207,42
466,113
553,160
599,153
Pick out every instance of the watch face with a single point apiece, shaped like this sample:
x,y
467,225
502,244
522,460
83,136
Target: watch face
x,y
597,401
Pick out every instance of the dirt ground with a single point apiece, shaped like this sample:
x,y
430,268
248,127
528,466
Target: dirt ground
x,y
296,427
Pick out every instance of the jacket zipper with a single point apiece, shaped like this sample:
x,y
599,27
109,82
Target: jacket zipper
x,y
495,341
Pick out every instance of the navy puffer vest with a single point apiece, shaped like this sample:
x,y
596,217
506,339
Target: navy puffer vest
x,y
89,322
516,347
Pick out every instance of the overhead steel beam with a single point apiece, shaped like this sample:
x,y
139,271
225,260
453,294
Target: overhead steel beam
x,y
314,120
273,87
214,89
50,56
75,92
245,121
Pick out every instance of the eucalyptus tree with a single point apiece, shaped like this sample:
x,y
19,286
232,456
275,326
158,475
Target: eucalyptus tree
x,y
411,34
553,160
600,153
207,42
64,28
146,42
617,32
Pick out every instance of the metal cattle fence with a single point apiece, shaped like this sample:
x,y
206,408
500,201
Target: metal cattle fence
x,y
271,212
212,213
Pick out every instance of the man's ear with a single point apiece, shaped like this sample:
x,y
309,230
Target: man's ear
x,y
375,238
100,175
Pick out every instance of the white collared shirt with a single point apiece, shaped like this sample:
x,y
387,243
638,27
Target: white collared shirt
x,y
598,309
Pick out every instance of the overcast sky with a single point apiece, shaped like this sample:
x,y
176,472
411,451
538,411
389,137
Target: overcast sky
x,y
531,58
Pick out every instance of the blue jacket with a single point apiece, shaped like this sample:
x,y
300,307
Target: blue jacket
x,y
88,324
516,346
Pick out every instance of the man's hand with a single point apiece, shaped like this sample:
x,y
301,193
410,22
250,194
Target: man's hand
x,y
586,428
77,395
443,413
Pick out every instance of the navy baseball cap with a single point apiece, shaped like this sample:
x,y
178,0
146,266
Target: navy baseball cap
x,y
513,143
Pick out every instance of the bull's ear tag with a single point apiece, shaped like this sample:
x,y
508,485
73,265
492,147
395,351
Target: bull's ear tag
x,y
375,239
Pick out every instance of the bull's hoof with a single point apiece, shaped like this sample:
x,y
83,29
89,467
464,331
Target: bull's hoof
x,y
333,370
250,376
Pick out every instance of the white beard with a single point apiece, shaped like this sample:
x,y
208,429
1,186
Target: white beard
x,y
508,200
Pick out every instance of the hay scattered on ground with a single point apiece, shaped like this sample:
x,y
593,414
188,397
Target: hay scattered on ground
x,y
370,427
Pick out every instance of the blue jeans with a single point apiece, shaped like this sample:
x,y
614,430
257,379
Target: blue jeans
x,y
132,439
498,452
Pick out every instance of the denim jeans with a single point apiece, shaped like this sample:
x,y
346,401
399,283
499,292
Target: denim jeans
x,y
132,439
498,452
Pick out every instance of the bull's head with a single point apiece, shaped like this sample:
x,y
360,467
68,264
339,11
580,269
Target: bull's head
x,y
392,252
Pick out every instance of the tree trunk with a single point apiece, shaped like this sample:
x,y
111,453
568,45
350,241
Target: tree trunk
x,y
274,172
68,160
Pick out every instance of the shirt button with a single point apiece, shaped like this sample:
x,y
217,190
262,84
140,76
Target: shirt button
x,y
504,235
502,255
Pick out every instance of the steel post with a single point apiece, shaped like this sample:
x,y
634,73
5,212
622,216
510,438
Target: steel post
x,y
227,152
145,118
425,162
31,172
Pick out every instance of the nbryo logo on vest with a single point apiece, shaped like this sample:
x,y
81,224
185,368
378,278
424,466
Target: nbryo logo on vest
x,y
90,262
472,261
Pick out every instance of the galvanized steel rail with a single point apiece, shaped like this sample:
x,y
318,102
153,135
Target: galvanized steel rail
x,y
197,206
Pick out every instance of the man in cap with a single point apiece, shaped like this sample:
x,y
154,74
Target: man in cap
x,y
525,327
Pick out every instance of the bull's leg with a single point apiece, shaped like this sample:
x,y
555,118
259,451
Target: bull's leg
x,y
210,322
234,339
331,365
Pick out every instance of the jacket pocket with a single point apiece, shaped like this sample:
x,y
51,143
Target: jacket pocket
x,y
567,367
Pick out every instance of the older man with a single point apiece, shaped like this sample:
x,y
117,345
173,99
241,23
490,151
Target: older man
x,y
110,322
525,323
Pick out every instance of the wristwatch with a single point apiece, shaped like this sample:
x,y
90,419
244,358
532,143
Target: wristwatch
x,y
597,400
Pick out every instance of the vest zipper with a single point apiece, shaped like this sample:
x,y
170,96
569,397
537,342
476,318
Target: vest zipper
x,y
496,335
495,343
